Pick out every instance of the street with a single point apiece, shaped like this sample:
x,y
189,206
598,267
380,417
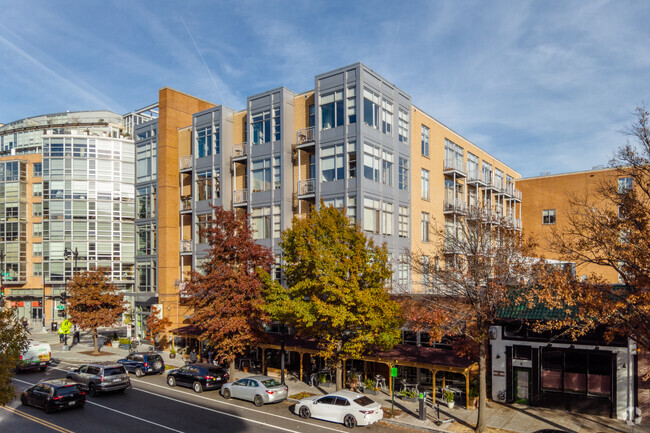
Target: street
x,y
151,405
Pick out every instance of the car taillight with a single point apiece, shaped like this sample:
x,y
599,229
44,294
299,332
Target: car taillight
x,y
82,393
101,379
21,357
269,392
146,364
367,412
57,398
209,377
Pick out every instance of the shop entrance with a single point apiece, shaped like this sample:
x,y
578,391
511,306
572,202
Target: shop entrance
x,y
522,377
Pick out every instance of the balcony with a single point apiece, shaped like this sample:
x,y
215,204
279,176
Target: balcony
x,y
186,246
185,163
478,178
512,193
305,136
496,185
239,151
477,213
186,204
240,197
306,187
455,166
454,207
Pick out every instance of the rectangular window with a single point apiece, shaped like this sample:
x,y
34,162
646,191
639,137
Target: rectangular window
x,y
403,126
403,222
261,128
472,166
388,219
37,249
312,115
387,117
425,227
261,222
261,175
277,173
204,185
352,105
202,222
38,169
453,155
352,209
403,271
625,184
37,209
425,184
37,229
548,216
277,125
277,222
37,269
486,172
425,265
371,161
37,189
371,108
352,164
204,142
425,141
331,110
371,215
403,174
332,163
387,169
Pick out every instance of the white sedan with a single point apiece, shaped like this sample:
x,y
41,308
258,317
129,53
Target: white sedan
x,y
347,407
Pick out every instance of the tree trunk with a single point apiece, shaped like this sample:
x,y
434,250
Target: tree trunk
x,y
231,369
94,333
339,376
481,426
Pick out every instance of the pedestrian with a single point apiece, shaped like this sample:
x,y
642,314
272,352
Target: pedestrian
x,y
193,356
24,322
211,356
313,379
134,343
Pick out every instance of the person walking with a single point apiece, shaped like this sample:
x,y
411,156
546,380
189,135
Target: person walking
x,y
193,356
313,380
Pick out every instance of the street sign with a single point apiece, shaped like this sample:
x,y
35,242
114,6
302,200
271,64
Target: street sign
x,y
5,274
65,327
60,307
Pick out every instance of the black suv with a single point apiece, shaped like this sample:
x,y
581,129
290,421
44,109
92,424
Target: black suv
x,y
54,394
198,377
101,377
143,363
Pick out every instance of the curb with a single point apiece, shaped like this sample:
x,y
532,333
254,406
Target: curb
x,y
413,426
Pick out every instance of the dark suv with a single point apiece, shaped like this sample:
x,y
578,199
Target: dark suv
x,y
143,363
54,394
101,377
198,377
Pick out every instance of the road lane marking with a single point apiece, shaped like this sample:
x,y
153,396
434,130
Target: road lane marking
x,y
36,419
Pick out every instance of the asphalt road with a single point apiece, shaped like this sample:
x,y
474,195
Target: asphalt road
x,y
151,406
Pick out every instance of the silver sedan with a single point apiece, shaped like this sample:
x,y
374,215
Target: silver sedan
x,y
258,389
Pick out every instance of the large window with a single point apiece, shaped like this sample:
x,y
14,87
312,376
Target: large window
x,y
472,166
387,117
403,270
403,222
331,110
261,127
425,226
146,276
387,169
371,108
388,219
146,161
331,162
352,209
204,142
204,185
146,239
277,221
548,216
371,161
625,184
425,184
37,189
146,202
371,212
202,222
453,154
352,105
261,174
37,229
277,125
403,126
425,141
38,169
37,209
312,115
261,222
576,372
277,173
403,174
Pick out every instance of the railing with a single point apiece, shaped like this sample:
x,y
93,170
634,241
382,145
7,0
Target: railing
x,y
455,164
186,203
240,196
185,162
238,150
497,184
474,176
306,186
305,135
458,206
186,246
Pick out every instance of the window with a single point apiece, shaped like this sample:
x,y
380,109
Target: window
x,y
425,265
387,218
352,105
403,174
387,117
277,125
371,162
277,275
625,184
425,141
261,128
331,110
387,169
37,249
37,229
261,174
486,173
425,227
37,189
312,115
277,173
522,352
403,126
261,222
37,269
453,155
277,221
204,185
548,216
403,271
371,215
37,209
332,163
145,202
371,108
38,169
425,184
472,166
204,142
352,209
403,222
202,222
352,164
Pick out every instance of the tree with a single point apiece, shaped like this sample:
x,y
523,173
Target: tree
x,y
483,260
610,229
13,342
337,288
156,324
227,295
93,301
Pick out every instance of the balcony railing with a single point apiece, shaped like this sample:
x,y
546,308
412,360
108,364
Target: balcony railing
x,y
240,196
455,164
239,150
186,203
306,187
458,206
186,246
305,135
185,162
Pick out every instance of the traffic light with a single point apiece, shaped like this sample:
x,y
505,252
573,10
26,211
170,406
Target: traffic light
x,y
63,296
2,291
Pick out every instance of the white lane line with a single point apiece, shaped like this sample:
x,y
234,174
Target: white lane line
x,y
118,411
225,403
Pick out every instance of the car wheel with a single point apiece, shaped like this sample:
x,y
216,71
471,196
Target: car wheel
x,y
226,394
197,387
92,390
258,401
304,412
138,372
349,421
171,381
157,365
23,400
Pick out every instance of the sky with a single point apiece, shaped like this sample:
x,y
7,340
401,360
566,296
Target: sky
x,y
542,86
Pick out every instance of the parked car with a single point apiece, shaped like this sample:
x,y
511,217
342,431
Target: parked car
x,y
143,363
258,389
54,394
199,377
37,355
346,407
101,377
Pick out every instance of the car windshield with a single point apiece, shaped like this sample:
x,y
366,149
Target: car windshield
x,y
270,383
363,401
67,390
114,371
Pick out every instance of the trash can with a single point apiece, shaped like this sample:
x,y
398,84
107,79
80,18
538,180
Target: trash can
x,y
55,326
423,406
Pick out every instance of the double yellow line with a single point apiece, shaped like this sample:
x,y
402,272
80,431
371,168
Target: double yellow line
x,y
36,419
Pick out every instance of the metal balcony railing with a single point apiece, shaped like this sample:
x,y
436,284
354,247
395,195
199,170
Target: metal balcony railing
x,y
240,196
186,246
457,206
455,164
306,187
305,135
185,162
186,203
239,150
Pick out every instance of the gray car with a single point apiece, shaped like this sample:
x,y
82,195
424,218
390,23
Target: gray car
x,y
101,377
258,389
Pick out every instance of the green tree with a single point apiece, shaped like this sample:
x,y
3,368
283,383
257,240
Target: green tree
x,y
93,301
227,295
13,341
337,288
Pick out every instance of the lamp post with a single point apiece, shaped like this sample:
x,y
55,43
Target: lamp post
x,y
282,353
2,277
75,255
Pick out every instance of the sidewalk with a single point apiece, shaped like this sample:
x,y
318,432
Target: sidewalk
x,y
509,417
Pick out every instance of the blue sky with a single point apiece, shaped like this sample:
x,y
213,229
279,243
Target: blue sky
x,y
543,86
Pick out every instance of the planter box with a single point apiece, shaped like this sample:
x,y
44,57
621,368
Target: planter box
x,y
370,391
411,399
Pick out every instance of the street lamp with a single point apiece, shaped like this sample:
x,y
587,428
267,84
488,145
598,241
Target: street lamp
x,y
75,254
